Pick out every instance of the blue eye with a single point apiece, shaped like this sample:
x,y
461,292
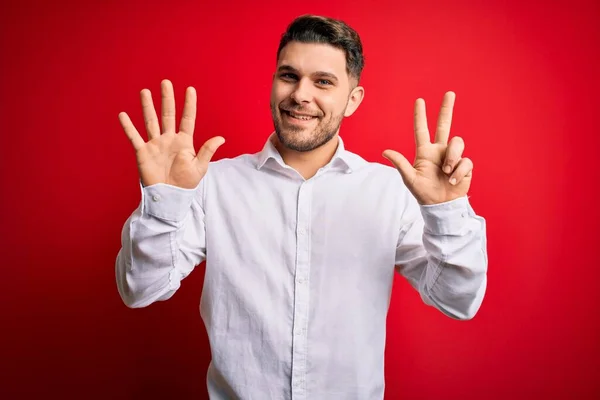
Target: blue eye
x,y
324,82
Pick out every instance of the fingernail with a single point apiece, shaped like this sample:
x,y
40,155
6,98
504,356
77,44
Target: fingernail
x,y
447,169
453,181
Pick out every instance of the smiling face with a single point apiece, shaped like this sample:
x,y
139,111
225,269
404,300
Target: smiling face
x,y
311,94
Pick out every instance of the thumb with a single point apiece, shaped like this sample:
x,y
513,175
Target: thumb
x,y
209,148
402,165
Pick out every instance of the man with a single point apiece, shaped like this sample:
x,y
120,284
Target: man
x,y
301,239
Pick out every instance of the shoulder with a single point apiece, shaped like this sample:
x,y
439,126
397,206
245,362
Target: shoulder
x,y
379,172
229,165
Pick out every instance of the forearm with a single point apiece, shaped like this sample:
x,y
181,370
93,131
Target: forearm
x,y
450,269
162,241
457,279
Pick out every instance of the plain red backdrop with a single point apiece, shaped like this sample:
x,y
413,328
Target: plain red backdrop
x,y
527,85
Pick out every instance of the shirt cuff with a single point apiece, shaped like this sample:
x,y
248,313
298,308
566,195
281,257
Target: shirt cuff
x,y
166,202
447,218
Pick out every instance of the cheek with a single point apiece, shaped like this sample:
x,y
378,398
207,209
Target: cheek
x,y
331,105
279,93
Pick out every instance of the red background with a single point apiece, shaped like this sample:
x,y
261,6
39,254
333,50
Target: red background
x,y
527,84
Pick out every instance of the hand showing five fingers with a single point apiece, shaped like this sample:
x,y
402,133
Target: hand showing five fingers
x,y
439,173
169,157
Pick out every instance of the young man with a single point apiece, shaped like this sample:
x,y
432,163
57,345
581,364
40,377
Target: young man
x,y
301,240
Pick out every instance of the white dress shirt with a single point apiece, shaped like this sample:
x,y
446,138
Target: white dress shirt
x,y
299,272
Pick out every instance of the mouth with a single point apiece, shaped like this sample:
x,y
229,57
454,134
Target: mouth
x,y
297,118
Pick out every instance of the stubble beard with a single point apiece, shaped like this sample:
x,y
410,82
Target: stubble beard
x,y
291,138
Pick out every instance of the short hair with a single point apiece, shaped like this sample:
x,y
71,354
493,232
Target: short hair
x,y
318,29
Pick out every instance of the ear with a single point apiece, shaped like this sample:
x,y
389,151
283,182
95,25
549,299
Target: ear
x,y
356,97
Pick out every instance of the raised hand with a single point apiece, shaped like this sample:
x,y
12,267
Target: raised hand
x,y
439,173
169,157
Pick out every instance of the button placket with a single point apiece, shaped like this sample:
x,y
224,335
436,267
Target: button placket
x,y
301,292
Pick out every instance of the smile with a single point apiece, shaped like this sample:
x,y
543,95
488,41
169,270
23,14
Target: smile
x,y
292,116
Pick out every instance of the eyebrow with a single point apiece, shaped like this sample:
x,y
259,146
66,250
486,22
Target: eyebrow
x,y
323,74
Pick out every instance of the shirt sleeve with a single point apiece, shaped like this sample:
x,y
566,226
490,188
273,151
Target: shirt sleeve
x,y
161,243
442,252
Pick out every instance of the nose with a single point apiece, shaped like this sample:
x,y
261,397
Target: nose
x,y
302,92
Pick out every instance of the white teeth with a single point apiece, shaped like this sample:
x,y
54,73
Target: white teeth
x,y
302,117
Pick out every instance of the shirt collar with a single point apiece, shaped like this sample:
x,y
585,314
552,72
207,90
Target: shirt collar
x,y
342,159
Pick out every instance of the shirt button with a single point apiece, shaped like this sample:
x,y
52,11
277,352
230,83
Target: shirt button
x,y
301,231
156,197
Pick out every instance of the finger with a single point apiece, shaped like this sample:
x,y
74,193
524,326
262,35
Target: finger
x,y
130,131
463,169
445,118
188,119
209,148
168,106
454,152
402,165
420,123
150,117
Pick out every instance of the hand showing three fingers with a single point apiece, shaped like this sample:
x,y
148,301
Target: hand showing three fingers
x,y
169,157
439,173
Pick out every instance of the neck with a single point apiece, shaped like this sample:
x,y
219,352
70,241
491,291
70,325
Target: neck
x,y
307,163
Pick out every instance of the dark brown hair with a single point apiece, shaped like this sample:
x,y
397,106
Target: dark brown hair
x,y
317,29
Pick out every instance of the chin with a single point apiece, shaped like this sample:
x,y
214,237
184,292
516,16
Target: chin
x,y
302,141
294,140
